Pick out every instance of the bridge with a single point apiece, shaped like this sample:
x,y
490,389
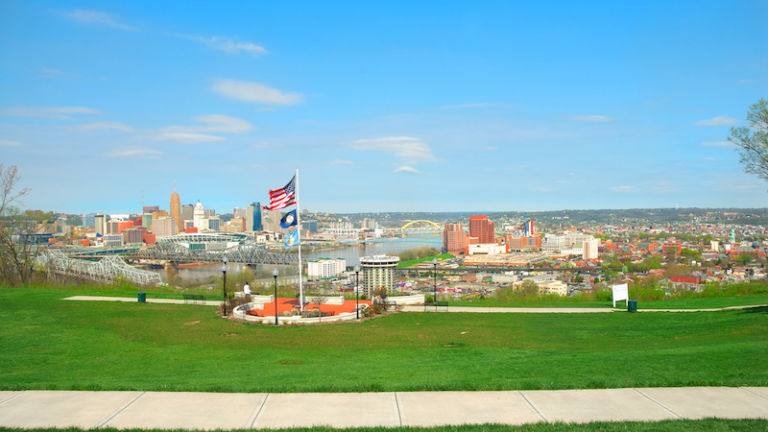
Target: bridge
x,y
244,254
107,269
422,221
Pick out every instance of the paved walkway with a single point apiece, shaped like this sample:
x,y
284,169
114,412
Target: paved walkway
x,y
440,309
122,410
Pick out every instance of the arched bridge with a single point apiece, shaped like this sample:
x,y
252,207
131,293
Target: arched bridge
x,y
436,225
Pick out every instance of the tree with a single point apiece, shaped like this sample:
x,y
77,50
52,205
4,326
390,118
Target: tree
x,y
16,251
753,140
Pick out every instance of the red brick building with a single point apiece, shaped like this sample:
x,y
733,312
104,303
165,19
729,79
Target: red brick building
x,y
482,228
455,240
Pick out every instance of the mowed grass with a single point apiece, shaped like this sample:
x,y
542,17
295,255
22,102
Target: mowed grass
x,y
674,303
704,425
48,343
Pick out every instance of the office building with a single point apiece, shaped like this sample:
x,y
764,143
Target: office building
x,y
175,209
112,240
198,217
146,220
134,235
89,220
149,209
590,249
326,268
455,240
163,227
187,212
100,223
214,223
481,228
368,223
210,212
378,272
240,212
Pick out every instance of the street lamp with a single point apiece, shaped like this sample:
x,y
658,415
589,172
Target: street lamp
x,y
274,273
434,263
357,291
224,284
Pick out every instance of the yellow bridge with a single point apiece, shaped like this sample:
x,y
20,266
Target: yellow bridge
x,y
436,225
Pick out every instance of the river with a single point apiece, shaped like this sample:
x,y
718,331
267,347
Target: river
x,y
351,253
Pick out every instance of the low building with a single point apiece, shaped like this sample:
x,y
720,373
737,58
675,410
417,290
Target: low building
x,y
326,267
486,249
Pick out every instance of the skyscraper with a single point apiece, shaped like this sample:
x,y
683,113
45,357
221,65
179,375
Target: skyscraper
x,y
175,209
455,240
100,223
199,217
482,228
257,225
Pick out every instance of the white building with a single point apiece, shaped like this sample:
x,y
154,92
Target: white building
x,y
589,250
112,240
378,272
164,227
326,267
198,217
486,249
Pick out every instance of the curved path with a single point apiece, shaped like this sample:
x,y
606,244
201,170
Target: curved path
x,y
123,410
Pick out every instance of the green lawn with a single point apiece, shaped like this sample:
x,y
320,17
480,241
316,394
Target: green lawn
x,y
47,343
684,303
706,425
413,262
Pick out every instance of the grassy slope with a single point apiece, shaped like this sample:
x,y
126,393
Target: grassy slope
x,y
49,343
706,425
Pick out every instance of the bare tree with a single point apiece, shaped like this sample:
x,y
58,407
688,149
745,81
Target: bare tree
x,y
753,140
15,242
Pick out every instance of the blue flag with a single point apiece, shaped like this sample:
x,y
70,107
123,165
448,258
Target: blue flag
x,y
291,238
289,219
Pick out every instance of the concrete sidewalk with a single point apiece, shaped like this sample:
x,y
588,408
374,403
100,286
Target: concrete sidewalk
x,y
37,409
432,309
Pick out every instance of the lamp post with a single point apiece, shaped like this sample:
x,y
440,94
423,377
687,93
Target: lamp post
x,y
224,284
357,291
434,274
274,274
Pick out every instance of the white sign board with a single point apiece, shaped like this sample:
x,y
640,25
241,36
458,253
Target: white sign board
x,y
620,292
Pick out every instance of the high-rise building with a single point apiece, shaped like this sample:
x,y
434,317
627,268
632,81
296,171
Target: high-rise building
x,y
89,219
214,223
271,221
163,227
187,212
455,240
199,217
326,267
175,209
146,220
257,225
378,272
240,213
590,249
368,223
100,223
482,228
134,235
149,209
210,212
157,214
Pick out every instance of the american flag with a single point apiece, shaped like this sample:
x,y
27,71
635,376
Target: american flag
x,y
283,197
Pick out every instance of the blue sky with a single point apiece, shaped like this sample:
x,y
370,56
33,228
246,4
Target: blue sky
x,y
427,106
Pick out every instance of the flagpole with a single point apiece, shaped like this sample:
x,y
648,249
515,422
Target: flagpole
x,y
298,227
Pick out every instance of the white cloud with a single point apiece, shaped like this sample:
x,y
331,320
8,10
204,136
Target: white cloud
x,y
84,16
406,168
210,123
254,92
133,152
622,188
187,137
717,121
341,162
50,73
718,144
106,126
592,118
9,143
54,112
228,45
408,149
222,123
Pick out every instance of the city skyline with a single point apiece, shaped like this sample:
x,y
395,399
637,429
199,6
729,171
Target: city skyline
x,y
397,107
